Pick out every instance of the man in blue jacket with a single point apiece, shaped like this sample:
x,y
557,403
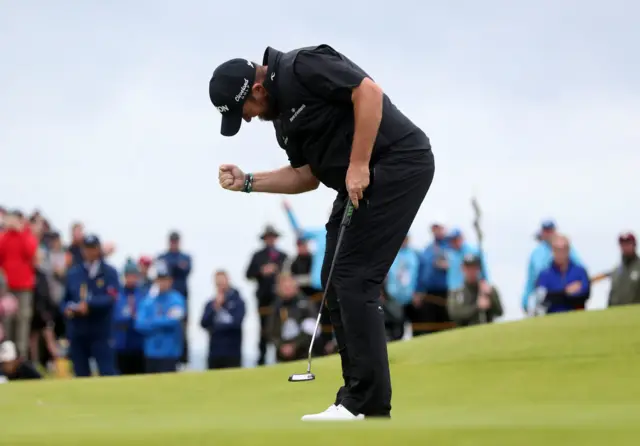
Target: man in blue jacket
x,y
565,284
91,290
128,341
428,310
179,264
541,258
160,321
222,319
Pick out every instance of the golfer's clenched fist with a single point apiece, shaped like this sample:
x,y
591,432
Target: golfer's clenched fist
x,y
231,177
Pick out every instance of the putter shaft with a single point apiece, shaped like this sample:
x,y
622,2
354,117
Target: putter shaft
x,y
346,219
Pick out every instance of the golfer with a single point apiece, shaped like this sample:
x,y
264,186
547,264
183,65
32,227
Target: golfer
x,y
338,128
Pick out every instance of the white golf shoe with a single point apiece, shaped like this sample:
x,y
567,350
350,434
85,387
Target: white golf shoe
x,y
333,413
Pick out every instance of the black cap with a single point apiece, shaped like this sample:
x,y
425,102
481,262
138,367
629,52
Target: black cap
x,y
174,236
229,88
471,260
162,270
91,241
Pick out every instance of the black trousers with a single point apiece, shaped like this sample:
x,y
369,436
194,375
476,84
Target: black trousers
x,y
184,359
264,339
368,249
161,365
130,363
225,362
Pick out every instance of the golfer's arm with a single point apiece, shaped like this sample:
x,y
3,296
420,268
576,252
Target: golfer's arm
x,y
286,180
367,110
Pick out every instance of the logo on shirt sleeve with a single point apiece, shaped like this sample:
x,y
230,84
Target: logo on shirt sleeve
x,y
175,313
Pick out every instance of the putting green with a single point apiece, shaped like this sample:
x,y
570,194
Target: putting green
x,y
558,380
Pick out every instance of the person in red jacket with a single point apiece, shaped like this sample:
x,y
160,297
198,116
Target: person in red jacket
x,y
17,260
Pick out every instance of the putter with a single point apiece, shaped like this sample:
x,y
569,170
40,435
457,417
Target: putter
x,y
346,220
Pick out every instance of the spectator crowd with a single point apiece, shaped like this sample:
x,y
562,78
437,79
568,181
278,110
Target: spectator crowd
x,y
64,305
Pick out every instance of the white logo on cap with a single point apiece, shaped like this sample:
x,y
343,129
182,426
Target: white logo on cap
x,y
273,75
250,64
222,108
243,91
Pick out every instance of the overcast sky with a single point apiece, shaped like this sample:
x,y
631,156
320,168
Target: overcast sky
x,y
533,105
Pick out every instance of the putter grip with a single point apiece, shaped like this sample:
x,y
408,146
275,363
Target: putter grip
x,y
348,212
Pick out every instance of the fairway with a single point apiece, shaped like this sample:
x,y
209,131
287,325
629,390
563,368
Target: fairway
x,y
558,380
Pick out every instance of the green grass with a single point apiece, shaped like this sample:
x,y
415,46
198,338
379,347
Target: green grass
x,y
559,380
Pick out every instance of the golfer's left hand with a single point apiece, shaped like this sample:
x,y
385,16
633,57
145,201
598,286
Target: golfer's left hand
x,y
357,182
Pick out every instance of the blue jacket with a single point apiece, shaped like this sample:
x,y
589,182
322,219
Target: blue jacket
x,y
554,282
100,292
126,337
160,323
430,277
224,326
455,277
318,237
403,276
180,266
539,260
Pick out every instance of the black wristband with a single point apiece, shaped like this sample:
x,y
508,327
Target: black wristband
x,y
248,183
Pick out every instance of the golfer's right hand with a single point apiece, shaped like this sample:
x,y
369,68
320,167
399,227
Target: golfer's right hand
x,y
231,177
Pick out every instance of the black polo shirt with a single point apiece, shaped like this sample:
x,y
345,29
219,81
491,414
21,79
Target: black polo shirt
x,y
311,88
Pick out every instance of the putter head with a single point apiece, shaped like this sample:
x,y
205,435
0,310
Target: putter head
x,y
301,377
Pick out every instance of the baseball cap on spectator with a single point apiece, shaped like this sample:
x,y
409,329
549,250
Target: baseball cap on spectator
x,y
546,225
91,241
229,88
455,233
162,270
145,261
174,236
471,260
627,237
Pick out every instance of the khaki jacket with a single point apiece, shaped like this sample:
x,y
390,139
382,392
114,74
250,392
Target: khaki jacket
x,y
293,322
463,308
625,284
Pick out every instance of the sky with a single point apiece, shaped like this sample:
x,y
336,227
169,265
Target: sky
x,y
534,106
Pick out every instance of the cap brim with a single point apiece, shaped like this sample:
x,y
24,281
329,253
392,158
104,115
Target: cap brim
x,y
231,123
